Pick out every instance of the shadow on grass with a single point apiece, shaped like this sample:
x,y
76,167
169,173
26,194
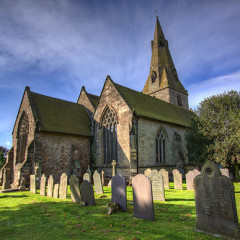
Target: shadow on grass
x,y
179,199
14,196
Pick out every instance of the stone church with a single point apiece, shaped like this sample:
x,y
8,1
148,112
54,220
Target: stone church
x,y
137,129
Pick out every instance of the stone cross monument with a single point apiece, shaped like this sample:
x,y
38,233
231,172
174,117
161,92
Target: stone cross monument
x,y
114,163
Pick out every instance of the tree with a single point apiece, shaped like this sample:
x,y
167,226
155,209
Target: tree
x,y
3,155
218,121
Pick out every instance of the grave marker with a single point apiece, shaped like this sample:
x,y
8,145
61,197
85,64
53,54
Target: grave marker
x,y
147,172
50,186
43,185
63,186
6,182
87,194
114,163
177,178
33,184
75,189
225,172
97,183
56,190
165,175
157,185
190,176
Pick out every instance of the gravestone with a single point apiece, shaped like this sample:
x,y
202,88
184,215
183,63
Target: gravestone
x,y
97,183
50,186
215,202
142,197
114,163
87,177
6,182
43,185
33,184
177,178
87,194
102,173
147,172
90,174
190,176
110,183
225,172
56,190
75,189
63,186
165,175
119,191
196,172
22,185
157,185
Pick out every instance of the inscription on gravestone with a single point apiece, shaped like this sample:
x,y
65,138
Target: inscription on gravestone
x,y
97,183
157,185
33,184
165,175
50,186
55,190
119,191
177,178
142,197
43,185
75,189
147,172
63,186
215,202
189,179
87,194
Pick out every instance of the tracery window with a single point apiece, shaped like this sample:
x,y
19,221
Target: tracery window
x,y
161,142
22,137
109,123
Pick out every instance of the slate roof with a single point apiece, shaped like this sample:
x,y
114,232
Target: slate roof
x,y
55,115
153,108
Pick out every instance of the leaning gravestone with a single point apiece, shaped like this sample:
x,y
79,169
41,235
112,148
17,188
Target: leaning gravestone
x,y
50,186
43,185
142,197
165,175
33,184
190,176
87,194
215,202
6,183
119,191
177,178
86,176
225,172
97,183
75,189
157,185
63,186
55,190
147,172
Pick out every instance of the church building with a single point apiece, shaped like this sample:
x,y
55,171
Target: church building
x,y
138,130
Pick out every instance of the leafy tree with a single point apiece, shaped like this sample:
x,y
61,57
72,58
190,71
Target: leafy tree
x,y
3,155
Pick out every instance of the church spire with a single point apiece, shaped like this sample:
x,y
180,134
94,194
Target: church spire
x,y
158,35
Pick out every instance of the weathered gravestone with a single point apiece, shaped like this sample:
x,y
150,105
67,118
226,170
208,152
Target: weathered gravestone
x,y
119,191
157,185
190,176
63,186
6,182
165,175
87,177
43,185
33,188
97,183
142,197
87,194
196,172
177,178
90,174
75,189
215,202
114,163
147,172
55,190
50,186
225,172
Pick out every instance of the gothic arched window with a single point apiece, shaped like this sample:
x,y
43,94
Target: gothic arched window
x,y
179,100
161,142
22,137
109,123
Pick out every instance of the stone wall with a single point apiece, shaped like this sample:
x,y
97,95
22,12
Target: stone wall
x,y
84,100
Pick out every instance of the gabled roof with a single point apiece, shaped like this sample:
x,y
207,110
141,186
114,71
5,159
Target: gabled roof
x,y
55,115
153,108
92,98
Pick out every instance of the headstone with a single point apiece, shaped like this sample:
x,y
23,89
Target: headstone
x,y
196,172
43,185
55,190
75,189
119,191
114,163
190,176
157,185
165,175
63,186
33,184
87,177
90,174
87,194
102,173
22,185
110,183
177,178
215,202
225,172
6,182
50,186
97,183
147,172
142,197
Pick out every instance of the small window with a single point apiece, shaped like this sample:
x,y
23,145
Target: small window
x,y
153,76
161,146
179,100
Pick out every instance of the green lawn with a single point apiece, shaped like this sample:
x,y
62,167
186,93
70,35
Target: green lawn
x,y
24,215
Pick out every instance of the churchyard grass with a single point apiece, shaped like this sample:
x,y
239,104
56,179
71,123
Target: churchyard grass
x,y
24,215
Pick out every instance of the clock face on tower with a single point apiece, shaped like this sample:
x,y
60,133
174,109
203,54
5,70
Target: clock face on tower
x,y
153,76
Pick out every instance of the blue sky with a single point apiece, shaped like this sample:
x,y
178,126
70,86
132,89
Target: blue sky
x,y
56,46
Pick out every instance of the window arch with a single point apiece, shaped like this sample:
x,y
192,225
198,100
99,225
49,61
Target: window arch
x,y
179,100
178,148
109,123
22,137
161,146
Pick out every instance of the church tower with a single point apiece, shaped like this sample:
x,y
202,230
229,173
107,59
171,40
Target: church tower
x,y
163,82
